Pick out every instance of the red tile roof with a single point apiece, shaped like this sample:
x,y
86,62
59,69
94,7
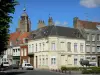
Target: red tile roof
x,y
18,36
88,24
22,36
13,37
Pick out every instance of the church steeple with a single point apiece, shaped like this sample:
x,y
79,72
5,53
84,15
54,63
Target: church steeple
x,y
24,23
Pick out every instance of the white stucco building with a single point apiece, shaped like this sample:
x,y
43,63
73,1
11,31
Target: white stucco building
x,y
55,46
7,56
16,54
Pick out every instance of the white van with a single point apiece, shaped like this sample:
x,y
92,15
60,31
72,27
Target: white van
x,y
6,64
27,66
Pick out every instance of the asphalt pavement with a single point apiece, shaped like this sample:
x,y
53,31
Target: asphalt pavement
x,y
36,72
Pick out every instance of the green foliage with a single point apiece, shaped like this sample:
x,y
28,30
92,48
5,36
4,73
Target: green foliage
x,y
63,68
91,70
71,68
7,7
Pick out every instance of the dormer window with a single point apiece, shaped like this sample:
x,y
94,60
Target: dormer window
x,y
34,35
77,34
25,40
10,43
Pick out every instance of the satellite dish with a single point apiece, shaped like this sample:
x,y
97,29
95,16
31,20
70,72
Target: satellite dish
x,y
98,26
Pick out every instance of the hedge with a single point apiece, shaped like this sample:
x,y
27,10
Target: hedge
x,y
91,70
63,68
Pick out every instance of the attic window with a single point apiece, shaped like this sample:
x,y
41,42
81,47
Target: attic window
x,y
45,33
34,35
25,40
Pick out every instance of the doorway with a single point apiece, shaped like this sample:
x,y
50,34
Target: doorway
x,y
31,61
36,61
98,61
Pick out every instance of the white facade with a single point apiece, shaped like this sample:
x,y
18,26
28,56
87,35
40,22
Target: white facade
x,y
7,57
16,51
16,55
54,52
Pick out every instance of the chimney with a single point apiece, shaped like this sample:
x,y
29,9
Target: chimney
x,y
41,23
50,21
75,22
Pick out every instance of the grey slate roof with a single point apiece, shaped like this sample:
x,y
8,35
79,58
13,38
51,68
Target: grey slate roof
x,y
56,31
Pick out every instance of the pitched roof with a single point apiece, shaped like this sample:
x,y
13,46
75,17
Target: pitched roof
x,y
56,31
17,38
22,36
88,24
13,37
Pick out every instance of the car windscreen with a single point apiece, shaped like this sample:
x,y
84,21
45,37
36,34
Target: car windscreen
x,y
28,64
6,63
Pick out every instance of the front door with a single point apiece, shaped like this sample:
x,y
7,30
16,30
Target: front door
x,y
31,61
98,61
36,62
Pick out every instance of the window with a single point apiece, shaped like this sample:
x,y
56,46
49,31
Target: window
x,y
43,61
53,61
69,61
88,58
87,48
53,46
69,46
32,47
14,50
40,46
93,48
75,61
36,47
81,47
62,45
93,37
98,48
75,47
40,61
43,46
18,49
88,37
93,58
98,37
47,61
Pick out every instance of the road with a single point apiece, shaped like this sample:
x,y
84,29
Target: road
x,y
35,72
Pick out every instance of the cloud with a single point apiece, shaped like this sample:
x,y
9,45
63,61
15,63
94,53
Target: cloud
x,y
65,23
58,23
90,3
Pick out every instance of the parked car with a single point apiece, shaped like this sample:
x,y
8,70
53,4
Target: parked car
x,y
6,64
14,66
27,66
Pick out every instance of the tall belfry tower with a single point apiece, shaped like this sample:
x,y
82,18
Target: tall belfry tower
x,y
24,23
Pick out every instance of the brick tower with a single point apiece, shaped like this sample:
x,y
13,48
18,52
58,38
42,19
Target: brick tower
x,y
24,23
